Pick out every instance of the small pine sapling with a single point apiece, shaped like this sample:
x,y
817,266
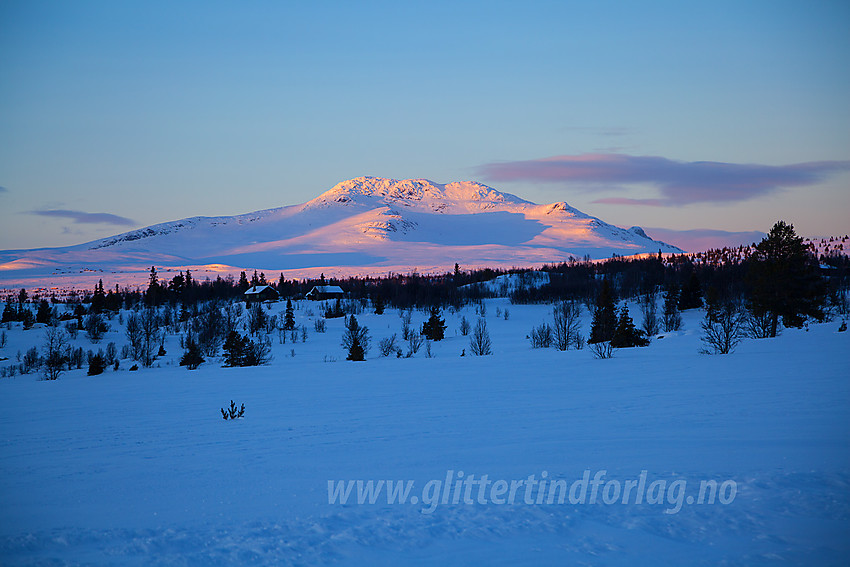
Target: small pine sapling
x,y
232,412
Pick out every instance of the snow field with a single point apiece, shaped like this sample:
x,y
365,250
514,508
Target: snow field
x,y
139,468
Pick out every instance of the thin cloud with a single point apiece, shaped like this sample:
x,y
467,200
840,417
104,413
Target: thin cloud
x,y
680,183
626,201
3,189
600,131
81,217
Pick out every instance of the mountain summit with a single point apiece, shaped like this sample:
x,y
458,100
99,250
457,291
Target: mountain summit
x,y
366,225
413,192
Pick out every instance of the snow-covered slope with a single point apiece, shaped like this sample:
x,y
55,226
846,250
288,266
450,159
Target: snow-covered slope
x,y
138,468
364,225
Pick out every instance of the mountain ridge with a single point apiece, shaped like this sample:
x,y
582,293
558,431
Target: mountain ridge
x,y
361,226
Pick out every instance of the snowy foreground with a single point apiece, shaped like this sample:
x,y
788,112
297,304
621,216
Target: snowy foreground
x,y
138,468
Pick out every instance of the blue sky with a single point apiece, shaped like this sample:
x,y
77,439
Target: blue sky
x,y
677,115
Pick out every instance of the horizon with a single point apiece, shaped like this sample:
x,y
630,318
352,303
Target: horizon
x,y
719,119
692,240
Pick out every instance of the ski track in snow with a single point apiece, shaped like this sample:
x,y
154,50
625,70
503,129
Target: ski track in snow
x,y
139,468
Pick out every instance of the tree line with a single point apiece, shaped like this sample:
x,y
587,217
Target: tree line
x,y
746,292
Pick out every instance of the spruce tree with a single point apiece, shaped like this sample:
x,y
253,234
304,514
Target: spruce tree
x,y
234,349
379,304
355,351
178,284
43,313
626,335
243,284
289,317
9,312
604,316
27,318
152,295
784,279
355,339
691,295
191,358
434,328
99,298
672,319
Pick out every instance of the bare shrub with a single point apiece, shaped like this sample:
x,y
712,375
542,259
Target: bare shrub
x,y
722,331
414,343
649,310
567,325
758,325
55,352
388,345
602,349
479,342
95,327
541,336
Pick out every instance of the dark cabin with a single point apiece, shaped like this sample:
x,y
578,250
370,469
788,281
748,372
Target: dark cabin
x,y
320,292
260,293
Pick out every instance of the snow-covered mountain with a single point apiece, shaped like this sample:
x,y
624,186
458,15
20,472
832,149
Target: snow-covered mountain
x,y
366,225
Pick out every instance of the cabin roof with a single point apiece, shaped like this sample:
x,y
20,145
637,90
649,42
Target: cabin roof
x,y
257,289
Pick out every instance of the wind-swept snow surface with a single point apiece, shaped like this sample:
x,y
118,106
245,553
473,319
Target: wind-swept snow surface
x,y
138,468
366,225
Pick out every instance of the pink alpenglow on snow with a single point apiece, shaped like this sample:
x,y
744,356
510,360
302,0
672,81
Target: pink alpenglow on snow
x,y
367,225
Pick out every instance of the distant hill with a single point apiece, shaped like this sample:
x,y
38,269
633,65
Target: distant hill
x,y
367,225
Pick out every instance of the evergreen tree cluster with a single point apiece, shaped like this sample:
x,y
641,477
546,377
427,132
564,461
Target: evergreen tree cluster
x,y
785,279
777,282
242,351
618,330
626,335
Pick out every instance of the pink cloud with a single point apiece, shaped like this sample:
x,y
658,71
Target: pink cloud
x,y
82,217
680,183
